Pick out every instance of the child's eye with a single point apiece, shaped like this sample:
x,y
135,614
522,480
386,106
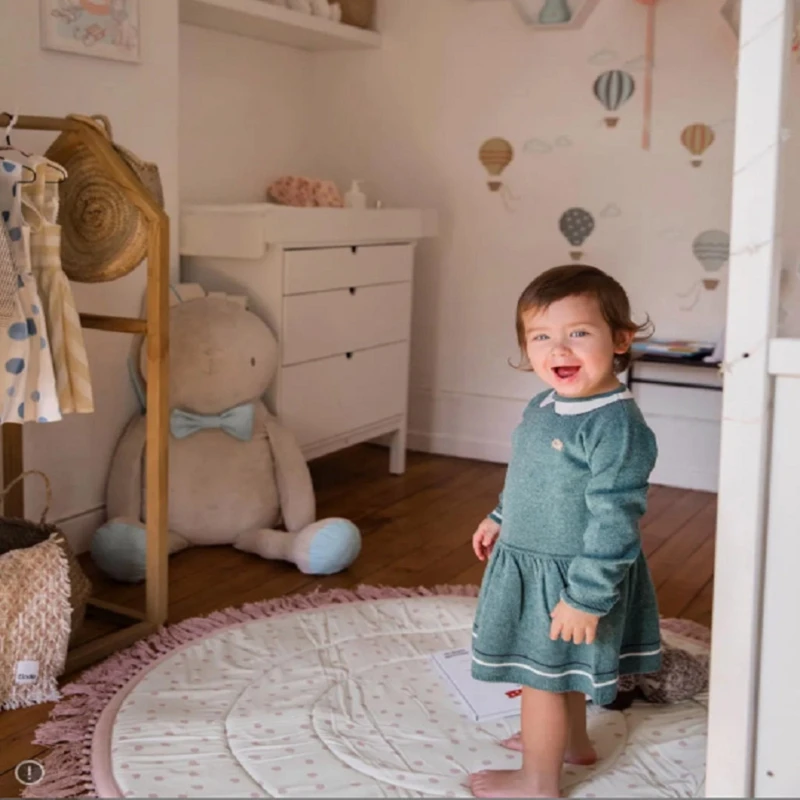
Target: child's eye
x,y
579,333
539,337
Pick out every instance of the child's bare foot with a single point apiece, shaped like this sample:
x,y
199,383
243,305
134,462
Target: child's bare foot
x,y
509,783
580,756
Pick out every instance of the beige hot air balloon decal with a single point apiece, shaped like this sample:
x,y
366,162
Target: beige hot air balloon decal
x,y
697,139
495,154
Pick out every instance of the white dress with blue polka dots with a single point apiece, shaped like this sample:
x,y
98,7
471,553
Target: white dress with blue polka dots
x,y
28,379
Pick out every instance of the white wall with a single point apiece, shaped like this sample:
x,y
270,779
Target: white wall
x,y
245,116
233,113
410,119
142,103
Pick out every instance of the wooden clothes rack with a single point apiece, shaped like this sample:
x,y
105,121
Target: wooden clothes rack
x,y
156,330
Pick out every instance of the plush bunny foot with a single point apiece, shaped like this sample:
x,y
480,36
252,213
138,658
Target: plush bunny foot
x,y
119,548
323,548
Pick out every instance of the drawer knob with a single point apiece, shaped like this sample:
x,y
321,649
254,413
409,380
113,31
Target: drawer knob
x,y
354,249
349,355
352,290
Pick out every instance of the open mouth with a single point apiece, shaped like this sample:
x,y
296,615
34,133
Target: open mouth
x,y
566,373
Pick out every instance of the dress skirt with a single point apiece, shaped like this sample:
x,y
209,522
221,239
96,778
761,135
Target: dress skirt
x,y
511,633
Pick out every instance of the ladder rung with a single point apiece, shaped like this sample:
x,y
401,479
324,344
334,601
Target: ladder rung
x,y
99,322
113,609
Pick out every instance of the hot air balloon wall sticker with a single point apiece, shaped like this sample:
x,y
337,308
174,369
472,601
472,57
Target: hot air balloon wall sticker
x,y
555,15
697,138
712,249
613,89
496,154
555,12
576,224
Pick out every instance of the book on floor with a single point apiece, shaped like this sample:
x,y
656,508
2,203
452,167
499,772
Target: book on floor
x,y
482,700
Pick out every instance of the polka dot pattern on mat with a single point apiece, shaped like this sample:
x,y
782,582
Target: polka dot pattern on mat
x,y
344,701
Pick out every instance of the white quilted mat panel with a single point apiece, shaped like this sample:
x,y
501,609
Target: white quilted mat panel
x,y
342,701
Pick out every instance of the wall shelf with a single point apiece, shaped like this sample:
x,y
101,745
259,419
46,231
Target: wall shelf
x,y
259,19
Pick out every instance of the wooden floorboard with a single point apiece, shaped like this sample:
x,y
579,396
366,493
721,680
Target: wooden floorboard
x,y
417,531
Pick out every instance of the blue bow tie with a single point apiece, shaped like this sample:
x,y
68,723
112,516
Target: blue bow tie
x,y
236,422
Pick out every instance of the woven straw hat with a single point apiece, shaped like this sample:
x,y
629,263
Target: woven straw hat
x,y
103,234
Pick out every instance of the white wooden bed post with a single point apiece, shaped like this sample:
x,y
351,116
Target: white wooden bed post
x,y
746,427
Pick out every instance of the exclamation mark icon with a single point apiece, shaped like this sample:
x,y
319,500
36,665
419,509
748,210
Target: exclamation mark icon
x,y
29,772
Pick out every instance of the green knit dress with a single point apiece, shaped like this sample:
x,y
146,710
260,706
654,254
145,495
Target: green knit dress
x,y
574,493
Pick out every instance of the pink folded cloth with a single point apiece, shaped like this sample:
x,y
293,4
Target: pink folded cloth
x,y
292,190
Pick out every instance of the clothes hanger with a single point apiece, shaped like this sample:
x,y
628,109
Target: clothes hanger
x,y
60,171
25,167
12,122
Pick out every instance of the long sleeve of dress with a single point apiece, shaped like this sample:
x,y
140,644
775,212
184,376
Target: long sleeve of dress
x,y
621,452
497,514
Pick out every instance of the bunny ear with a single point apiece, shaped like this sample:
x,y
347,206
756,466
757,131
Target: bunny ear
x,y
137,381
178,293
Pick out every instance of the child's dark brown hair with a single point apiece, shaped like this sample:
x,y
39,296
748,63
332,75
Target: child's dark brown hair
x,y
581,279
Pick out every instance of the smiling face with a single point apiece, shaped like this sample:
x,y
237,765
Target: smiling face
x,y
571,347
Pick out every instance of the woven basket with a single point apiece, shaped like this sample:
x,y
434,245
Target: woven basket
x,y
16,534
360,13
103,234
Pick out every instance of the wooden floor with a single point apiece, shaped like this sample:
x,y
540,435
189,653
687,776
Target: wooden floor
x,y
417,531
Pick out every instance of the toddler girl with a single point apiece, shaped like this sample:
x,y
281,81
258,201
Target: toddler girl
x,y
567,604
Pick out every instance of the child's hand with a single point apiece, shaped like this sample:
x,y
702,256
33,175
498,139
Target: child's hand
x,y
572,625
484,538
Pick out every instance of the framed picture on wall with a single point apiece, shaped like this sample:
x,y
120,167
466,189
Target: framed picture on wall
x,y
99,28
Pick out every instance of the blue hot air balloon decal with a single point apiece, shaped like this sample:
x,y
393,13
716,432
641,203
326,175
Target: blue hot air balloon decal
x,y
577,225
612,89
555,12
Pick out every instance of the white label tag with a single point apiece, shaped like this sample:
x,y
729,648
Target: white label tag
x,y
27,672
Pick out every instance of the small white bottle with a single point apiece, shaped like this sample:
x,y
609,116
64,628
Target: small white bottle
x,y
355,198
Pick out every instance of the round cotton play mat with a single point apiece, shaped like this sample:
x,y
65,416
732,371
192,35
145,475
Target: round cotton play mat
x,y
330,695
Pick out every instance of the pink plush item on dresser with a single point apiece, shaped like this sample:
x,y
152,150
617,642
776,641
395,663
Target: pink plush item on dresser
x,y
292,190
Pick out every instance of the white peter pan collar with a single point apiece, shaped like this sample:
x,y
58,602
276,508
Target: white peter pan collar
x,y
570,407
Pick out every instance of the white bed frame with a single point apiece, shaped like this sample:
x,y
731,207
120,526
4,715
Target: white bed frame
x,y
755,692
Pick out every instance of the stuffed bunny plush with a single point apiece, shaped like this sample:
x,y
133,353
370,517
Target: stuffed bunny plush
x,y
234,472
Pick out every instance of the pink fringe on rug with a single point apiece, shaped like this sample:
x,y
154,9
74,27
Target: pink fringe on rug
x,y
70,729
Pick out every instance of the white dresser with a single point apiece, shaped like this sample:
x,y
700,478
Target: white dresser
x,y
335,286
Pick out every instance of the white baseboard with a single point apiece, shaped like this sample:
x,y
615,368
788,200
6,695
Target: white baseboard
x,y
449,445
480,427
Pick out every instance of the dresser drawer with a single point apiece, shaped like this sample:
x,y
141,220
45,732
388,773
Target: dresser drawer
x,y
342,267
326,398
327,323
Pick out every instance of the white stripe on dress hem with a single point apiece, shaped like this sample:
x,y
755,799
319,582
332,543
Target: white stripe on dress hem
x,y
547,674
647,653
562,674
